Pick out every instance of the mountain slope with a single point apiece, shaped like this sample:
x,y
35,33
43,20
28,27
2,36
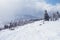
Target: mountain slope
x,y
34,31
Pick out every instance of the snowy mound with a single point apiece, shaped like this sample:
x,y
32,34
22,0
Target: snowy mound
x,y
34,31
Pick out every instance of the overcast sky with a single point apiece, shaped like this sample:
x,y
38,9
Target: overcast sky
x,y
9,9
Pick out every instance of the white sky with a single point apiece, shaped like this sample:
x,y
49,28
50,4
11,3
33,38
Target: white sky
x,y
9,8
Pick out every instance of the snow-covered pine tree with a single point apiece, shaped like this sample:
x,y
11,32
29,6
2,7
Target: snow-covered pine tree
x,y
46,16
58,14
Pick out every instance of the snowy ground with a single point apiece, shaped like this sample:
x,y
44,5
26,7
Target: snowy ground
x,y
34,31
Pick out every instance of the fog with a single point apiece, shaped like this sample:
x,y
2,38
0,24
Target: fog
x,y
11,9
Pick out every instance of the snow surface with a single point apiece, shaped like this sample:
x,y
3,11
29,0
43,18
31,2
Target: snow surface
x,y
34,31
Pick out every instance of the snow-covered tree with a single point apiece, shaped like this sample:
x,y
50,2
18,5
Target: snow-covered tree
x,y
46,16
58,14
55,16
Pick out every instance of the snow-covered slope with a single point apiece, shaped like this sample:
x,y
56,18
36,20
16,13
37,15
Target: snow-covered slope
x,y
34,31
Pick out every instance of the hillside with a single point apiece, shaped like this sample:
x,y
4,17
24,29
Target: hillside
x,y
33,31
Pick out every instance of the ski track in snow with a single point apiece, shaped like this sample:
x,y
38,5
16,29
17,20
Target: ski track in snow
x,y
34,31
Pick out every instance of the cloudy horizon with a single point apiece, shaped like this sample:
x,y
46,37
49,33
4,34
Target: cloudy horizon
x,y
10,9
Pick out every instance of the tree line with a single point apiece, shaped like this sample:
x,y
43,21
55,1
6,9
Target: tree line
x,y
47,17
53,17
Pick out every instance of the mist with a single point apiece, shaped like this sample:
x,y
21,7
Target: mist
x,y
12,9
